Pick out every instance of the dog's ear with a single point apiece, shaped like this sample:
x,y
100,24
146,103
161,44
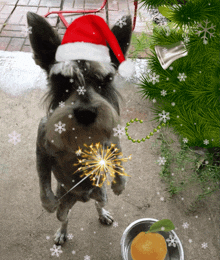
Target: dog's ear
x,y
44,40
122,31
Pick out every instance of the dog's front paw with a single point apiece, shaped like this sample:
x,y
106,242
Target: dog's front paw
x,y
50,202
60,237
118,187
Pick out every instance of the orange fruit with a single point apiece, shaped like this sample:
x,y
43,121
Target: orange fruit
x,y
150,246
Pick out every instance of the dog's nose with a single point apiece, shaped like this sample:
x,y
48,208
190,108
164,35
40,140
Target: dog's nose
x,y
85,116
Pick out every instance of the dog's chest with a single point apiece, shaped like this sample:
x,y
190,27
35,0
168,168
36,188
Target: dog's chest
x,y
65,172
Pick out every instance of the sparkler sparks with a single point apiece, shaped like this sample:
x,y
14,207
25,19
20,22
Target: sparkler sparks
x,y
99,163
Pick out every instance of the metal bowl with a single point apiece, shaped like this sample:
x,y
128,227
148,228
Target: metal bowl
x,y
173,253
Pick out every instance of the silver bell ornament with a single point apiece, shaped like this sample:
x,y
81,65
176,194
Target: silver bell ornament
x,y
167,54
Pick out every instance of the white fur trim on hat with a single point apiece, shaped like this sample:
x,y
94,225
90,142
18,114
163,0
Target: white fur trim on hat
x,y
82,51
126,69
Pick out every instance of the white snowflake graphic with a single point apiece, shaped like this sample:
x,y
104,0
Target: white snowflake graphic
x,y
70,236
204,245
73,252
172,241
81,90
161,160
14,138
158,193
154,78
206,141
61,104
163,93
119,131
185,140
71,80
190,240
164,116
121,22
28,30
154,100
182,77
205,29
70,116
162,198
87,257
60,127
47,237
185,225
56,250
162,228
115,224
186,39
173,104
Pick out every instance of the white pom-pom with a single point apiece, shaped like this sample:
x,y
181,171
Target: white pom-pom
x,y
126,69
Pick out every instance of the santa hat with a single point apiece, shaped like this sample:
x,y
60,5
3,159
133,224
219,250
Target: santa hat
x,y
86,38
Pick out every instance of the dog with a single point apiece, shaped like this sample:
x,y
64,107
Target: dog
x,y
88,117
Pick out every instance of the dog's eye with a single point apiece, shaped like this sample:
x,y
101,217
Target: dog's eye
x,y
109,78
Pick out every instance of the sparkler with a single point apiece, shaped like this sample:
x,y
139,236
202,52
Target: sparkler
x,y
98,163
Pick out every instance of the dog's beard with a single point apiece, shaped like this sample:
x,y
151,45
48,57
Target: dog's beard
x,y
76,135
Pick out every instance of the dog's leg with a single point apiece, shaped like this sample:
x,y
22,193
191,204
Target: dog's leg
x,y
62,214
100,195
49,201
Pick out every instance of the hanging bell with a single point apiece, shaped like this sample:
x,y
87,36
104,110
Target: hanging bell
x,y
167,54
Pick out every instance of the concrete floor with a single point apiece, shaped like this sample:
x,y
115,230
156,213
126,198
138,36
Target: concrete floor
x,y
28,235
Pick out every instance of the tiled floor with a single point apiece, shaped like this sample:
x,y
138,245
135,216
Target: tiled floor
x,y
13,25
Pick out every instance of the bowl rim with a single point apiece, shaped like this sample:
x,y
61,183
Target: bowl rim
x,y
179,244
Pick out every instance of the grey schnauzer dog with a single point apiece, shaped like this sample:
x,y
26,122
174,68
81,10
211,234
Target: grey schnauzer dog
x,y
88,118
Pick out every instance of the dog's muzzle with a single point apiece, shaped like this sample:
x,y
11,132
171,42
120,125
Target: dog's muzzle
x,y
85,116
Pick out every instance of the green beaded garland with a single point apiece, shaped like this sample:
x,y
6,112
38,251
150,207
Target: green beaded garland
x,y
143,139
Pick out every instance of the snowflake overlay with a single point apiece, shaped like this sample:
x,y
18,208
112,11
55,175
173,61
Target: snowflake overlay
x,y
154,78
115,224
121,22
185,225
70,236
172,241
119,131
164,116
182,77
61,104
81,90
204,245
205,30
56,250
161,160
185,140
87,257
60,127
14,138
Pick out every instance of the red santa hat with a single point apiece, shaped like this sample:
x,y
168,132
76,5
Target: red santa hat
x,y
86,38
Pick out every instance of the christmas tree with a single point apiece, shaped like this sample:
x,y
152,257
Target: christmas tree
x,y
183,79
